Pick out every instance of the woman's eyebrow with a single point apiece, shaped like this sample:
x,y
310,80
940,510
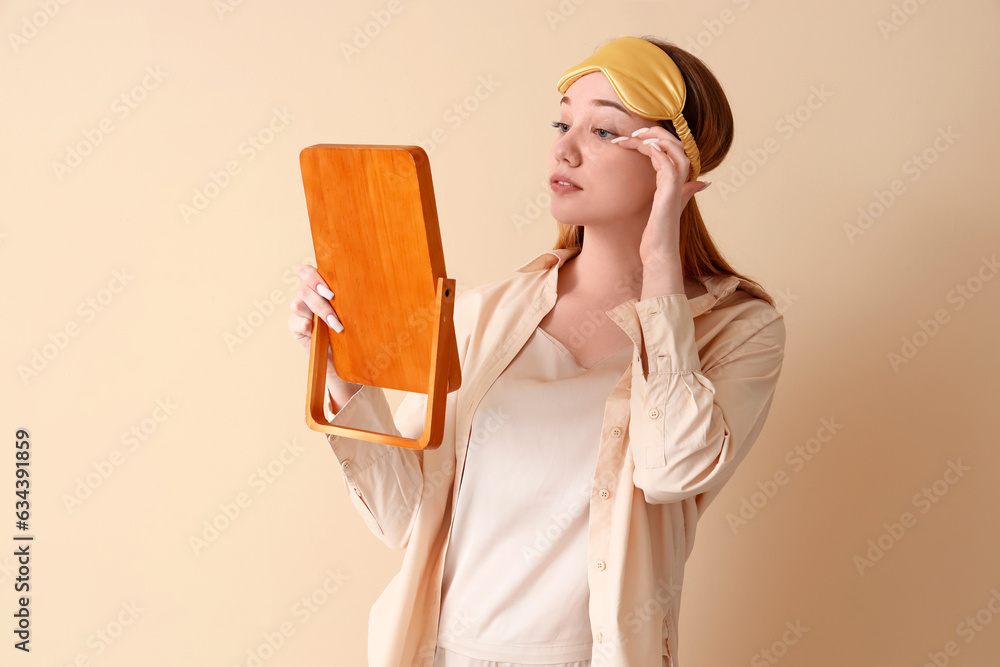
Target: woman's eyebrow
x,y
600,103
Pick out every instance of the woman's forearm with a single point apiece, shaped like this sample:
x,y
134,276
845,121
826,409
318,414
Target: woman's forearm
x,y
340,392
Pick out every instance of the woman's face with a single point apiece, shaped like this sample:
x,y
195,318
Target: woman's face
x,y
615,185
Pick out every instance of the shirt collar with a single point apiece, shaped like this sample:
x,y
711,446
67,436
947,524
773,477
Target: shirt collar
x,y
549,258
718,287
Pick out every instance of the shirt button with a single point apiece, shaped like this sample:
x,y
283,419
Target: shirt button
x,y
600,565
604,493
629,387
654,413
346,465
616,431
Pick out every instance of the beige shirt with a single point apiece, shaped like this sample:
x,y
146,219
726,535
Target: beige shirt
x,y
669,441
514,589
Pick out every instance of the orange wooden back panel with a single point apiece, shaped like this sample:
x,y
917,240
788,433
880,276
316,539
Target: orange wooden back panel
x,y
378,247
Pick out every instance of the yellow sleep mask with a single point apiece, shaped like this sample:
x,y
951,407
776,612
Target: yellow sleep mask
x,y
647,81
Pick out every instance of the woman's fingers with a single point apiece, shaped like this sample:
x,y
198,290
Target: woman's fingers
x,y
311,277
322,307
657,139
314,297
665,152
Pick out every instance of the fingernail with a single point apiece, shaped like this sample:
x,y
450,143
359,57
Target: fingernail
x,y
334,323
619,139
651,140
324,291
657,147
707,183
640,131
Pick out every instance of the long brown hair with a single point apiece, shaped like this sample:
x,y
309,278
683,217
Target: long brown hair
x,y
710,119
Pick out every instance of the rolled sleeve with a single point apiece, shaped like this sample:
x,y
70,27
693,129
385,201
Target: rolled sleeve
x,y
384,482
689,427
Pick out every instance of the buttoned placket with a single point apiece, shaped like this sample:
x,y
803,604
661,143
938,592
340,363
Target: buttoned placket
x,y
608,470
607,476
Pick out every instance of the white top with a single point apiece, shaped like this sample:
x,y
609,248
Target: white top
x,y
515,586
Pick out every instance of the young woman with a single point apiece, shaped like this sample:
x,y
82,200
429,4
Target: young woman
x,y
610,388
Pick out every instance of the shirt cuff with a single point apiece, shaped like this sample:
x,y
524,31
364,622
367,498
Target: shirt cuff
x,y
367,409
668,334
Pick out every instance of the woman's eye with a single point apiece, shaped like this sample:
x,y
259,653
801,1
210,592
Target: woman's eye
x,y
564,127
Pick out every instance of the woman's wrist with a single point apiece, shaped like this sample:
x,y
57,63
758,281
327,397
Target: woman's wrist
x,y
662,275
340,391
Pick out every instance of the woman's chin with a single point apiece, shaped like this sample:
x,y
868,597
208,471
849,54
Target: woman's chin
x,y
564,218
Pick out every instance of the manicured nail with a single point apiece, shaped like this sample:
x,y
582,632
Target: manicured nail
x,y
651,140
619,139
707,183
324,291
334,323
640,131
657,147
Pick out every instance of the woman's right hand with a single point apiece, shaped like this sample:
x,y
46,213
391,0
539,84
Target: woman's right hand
x,y
313,299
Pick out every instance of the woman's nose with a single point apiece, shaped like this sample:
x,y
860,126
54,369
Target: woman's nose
x,y
566,148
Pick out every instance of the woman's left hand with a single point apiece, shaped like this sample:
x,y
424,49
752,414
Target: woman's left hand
x,y
661,236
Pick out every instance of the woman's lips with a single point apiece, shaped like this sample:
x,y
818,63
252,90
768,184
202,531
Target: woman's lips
x,y
563,186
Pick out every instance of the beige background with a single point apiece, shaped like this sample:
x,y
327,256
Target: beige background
x,y
170,292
